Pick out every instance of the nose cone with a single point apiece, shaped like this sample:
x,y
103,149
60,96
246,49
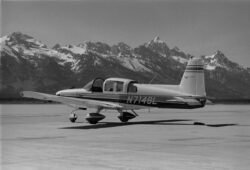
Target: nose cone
x,y
58,93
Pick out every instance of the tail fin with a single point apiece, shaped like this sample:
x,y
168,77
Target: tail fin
x,y
193,81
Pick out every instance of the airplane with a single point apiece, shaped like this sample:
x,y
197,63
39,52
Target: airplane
x,y
125,94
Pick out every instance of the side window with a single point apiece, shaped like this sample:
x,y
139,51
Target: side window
x,y
132,88
119,86
109,86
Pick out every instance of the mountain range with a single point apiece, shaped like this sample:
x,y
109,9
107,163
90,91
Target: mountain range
x,y
28,64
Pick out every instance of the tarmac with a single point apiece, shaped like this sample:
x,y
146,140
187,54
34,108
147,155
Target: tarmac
x,y
40,137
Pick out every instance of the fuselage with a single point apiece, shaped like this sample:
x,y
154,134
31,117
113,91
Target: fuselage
x,y
133,95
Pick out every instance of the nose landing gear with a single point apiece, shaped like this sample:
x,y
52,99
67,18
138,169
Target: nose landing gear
x,y
73,117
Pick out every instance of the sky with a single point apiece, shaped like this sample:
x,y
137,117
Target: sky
x,y
196,27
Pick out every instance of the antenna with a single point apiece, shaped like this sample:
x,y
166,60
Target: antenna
x,y
153,78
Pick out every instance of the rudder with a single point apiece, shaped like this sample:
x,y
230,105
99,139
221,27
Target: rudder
x,y
193,81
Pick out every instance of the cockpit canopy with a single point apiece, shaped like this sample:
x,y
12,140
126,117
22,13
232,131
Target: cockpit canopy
x,y
111,85
95,85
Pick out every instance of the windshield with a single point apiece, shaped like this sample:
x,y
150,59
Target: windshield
x,y
94,85
88,86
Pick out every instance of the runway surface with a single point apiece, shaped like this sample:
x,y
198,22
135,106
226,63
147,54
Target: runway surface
x,y
41,137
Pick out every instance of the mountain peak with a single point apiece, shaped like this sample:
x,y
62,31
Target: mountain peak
x,y
121,47
157,39
219,59
57,46
219,53
20,35
19,38
220,56
176,48
158,45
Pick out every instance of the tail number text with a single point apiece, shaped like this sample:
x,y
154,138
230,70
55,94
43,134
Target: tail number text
x,y
150,100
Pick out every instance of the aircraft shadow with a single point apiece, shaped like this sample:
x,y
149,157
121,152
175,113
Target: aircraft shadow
x,y
152,122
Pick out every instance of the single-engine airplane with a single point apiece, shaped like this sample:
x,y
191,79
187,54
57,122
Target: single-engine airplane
x,y
124,94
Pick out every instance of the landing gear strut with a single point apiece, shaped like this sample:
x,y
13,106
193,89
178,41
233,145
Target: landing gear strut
x,y
126,116
72,117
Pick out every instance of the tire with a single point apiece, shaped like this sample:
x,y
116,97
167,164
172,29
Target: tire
x,y
73,120
73,117
93,122
123,119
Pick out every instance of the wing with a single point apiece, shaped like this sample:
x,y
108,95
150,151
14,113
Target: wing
x,y
70,101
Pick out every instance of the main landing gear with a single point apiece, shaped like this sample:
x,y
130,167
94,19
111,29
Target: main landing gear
x,y
126,116
95,117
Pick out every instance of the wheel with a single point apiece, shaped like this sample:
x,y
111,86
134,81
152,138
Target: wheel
x,y
92,122
72,117
126,116
123,119
94,118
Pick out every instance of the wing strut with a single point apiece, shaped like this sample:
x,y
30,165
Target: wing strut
x,y
134,112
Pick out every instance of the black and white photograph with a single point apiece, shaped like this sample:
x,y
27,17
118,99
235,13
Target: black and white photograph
x,y
125,85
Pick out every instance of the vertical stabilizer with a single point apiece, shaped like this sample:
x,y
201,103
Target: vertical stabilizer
x,y
193,81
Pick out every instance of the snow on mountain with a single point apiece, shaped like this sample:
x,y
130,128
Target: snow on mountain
x,y
63,58
33,50
157,40
8,50
18,38
99,47
210,56
159,46
210,67
3,39
25,45
180,59
49,69
21,43
5,48
133,63
38,43
75,49
219,60
122,48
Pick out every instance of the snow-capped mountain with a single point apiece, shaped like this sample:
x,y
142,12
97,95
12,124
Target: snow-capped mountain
x,y
28,64
159,46
219,60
